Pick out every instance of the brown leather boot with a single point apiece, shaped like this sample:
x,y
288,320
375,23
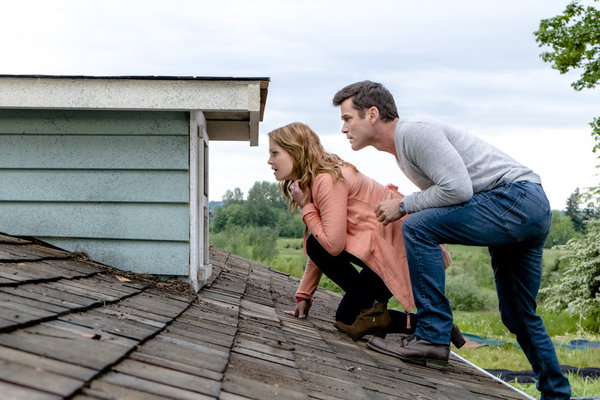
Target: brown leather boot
x,y
414,350
373,320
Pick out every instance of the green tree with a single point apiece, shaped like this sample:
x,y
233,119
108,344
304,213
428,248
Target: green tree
x,y
264,199
578,290
561,230
574,38
573,211
290,224
583,206
232,214
267,193
235,196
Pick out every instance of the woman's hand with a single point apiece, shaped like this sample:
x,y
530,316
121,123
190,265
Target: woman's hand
x,y
301,310
300,197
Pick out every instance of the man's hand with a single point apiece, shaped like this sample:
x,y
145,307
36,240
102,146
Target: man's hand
x,y
387,211
301,310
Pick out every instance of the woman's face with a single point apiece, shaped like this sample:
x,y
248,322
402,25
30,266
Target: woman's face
x,y
281,162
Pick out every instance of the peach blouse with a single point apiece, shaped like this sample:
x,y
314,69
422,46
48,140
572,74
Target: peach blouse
x,y
342,217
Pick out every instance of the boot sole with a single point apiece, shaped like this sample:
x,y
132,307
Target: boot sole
x,y
440,365
379,332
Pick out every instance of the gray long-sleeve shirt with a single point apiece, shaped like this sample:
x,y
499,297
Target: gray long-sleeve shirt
x,y
449,164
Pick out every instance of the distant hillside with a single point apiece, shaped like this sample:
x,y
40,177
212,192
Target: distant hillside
x,y
213,205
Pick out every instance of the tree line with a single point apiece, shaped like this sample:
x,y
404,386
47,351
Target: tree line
x,y
250,228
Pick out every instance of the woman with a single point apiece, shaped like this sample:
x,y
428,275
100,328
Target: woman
x,y
337,204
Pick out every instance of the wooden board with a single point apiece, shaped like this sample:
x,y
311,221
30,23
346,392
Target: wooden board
x,y
48,293
112,324
46,364
170,377
176,365
105,390
197,359
40,380
14,392
87,352
258,390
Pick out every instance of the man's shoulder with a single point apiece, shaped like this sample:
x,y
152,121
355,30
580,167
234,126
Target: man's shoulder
x,y
418,127
418,121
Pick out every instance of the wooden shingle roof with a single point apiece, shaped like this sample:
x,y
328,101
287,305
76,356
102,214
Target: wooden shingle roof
x,y
72,328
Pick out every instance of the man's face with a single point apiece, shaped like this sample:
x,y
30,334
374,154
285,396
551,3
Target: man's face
x,y
357,130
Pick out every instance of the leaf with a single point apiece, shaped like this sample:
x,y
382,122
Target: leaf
x,y
123,279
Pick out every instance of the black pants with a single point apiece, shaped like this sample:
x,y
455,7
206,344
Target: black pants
x,y
361,288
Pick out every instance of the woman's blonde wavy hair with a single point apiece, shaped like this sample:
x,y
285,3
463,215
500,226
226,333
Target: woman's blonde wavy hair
x,y
309,156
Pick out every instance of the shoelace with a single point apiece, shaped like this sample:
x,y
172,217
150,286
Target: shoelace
x,y
406,340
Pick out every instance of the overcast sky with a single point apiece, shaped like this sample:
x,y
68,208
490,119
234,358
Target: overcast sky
x,y
474,63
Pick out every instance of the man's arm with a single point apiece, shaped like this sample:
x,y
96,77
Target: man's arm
x,y
435,157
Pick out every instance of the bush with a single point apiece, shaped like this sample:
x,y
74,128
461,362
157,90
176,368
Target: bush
x,y
465,294
578,290
264,244
232,239
473,261
256,243
561,230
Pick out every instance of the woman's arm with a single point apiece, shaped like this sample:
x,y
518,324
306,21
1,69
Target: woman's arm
x,y
306,290
326,216
310,281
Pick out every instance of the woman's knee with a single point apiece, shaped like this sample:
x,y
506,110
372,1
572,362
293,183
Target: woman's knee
x,y
313,247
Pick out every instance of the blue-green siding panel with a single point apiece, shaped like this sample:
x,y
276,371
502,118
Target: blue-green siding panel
x,y
88,122
169,222
114,184
94,185
162,258
93,152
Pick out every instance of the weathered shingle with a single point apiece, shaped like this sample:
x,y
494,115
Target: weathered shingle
x,y
72,328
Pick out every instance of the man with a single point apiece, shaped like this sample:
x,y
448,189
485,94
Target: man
x,y
471,194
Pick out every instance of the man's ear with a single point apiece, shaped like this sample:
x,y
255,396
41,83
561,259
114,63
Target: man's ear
x,y
372,114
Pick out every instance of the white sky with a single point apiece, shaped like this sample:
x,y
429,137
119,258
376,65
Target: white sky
x,y
474,63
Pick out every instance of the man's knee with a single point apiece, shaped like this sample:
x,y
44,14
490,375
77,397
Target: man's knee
x,y
409,228
414,231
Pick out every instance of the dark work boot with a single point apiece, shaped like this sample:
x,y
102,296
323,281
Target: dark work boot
x,y
414,350
456,337
373,320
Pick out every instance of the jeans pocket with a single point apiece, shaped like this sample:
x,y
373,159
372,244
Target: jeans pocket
x,y
529,215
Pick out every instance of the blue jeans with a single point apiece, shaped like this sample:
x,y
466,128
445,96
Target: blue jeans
x,y
513,221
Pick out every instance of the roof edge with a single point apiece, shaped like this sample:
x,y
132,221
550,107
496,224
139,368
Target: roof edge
x,y
139,77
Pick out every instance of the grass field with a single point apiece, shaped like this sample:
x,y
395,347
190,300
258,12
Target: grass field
x,y
561,327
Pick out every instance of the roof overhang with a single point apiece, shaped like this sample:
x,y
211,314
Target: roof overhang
x,y
232,107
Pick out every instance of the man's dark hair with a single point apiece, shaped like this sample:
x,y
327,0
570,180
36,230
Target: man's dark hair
x,y
367,94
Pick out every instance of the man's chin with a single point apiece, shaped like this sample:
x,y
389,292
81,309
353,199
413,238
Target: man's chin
x,y
356,147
